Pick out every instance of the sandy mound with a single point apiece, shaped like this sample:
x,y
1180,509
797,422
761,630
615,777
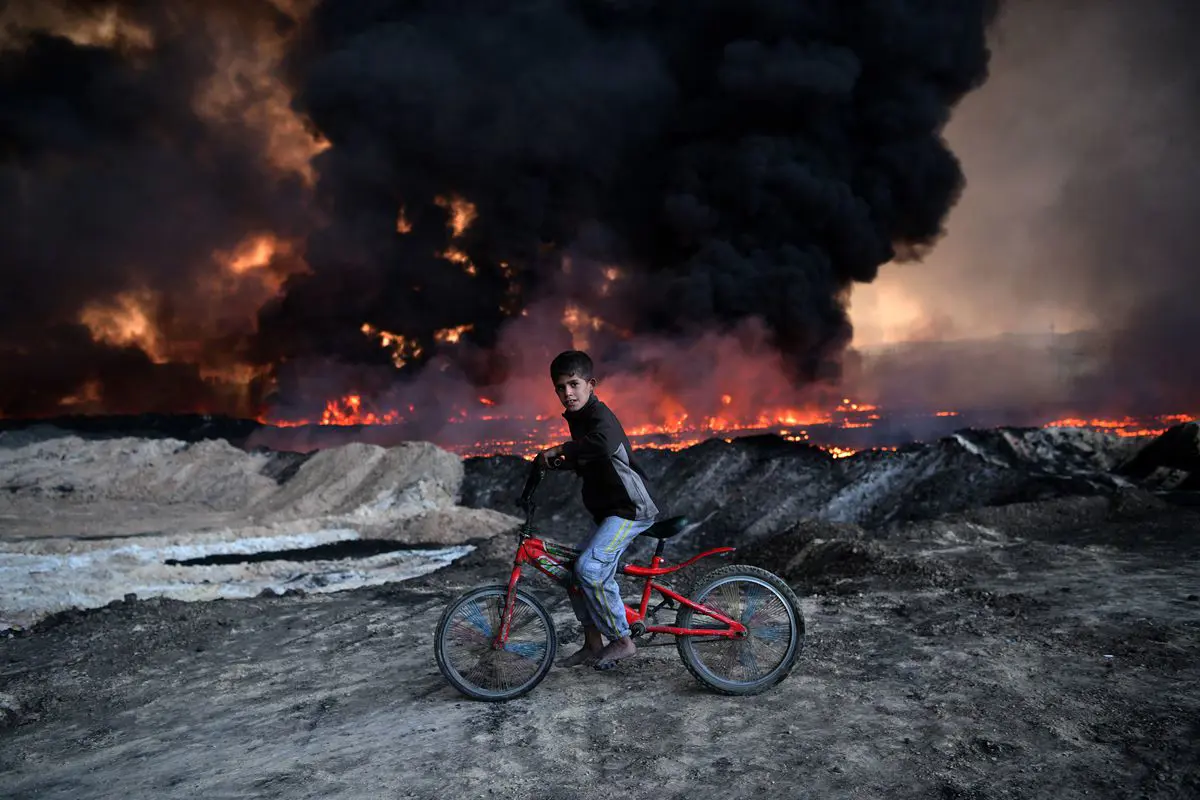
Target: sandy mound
x,y
162,471
367,482
83,522
401,493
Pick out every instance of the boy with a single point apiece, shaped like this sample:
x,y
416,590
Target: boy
x,y
614,491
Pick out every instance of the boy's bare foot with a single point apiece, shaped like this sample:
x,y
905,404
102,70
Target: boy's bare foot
x,y
583,656
615,651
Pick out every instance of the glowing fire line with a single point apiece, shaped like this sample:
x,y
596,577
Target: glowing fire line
x,y
680,432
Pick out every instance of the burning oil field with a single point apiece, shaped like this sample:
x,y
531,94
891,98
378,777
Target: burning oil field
x,y
896,297
397,213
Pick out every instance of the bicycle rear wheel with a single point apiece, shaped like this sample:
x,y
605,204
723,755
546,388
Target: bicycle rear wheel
x,y
768,608
467,659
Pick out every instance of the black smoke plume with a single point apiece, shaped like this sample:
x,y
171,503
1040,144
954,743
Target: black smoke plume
x,y
739,160
113,183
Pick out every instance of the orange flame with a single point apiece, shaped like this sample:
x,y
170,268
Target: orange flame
x,y
456,256
451,335
674,427
89,394
126,321
349,411
402,348
462,214
1127,427
247,89
402,223
580,324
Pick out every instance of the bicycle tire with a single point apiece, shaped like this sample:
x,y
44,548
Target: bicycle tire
x,y
480,609
783,597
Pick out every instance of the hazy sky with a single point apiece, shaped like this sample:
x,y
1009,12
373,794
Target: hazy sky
x,y
1082,176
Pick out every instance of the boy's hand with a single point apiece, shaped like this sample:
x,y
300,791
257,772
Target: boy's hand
x,y
552,457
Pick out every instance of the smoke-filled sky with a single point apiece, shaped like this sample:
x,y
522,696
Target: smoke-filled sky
x,y
671,169
1082,155
140,148
253,204
738,160
1083,160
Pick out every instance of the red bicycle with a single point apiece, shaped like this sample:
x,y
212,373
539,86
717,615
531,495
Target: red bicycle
x,y
740,632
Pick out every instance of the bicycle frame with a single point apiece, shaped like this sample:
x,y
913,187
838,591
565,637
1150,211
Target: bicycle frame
x,y
556,561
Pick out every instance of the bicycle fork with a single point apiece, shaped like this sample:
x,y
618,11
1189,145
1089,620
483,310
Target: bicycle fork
x,y
506,614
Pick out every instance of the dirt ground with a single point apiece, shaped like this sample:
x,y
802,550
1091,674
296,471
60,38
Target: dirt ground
x,y
1045,650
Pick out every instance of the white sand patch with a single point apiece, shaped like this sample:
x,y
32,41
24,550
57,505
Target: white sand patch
x,y
37,582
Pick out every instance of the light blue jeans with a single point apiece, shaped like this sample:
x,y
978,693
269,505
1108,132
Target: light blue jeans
x,y
597,600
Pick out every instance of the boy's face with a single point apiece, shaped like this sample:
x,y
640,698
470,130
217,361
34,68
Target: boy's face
x,y
573,391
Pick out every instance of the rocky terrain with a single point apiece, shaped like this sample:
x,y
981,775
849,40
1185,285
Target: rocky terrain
x,y
998,614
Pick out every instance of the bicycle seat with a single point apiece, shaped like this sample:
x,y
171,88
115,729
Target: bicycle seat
x,y
666,528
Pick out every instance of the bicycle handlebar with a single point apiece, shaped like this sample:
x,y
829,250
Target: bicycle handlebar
x,y
537,471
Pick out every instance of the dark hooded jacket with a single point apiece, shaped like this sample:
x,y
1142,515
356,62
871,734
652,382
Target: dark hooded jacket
x,y
599,452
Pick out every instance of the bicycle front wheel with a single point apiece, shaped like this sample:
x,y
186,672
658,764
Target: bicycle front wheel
x,y
768,608
463,644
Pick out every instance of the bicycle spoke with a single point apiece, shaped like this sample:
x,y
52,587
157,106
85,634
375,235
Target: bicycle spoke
x,y
500,671
772,632
468,644
495,611
476,674
466,637
531,650
728,601
746,657
477,617
752,602
523,617
768,632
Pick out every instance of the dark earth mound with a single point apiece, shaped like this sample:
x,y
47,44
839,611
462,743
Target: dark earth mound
x,y
755,486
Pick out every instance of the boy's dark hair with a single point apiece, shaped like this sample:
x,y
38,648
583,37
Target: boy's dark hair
x,y
571,362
